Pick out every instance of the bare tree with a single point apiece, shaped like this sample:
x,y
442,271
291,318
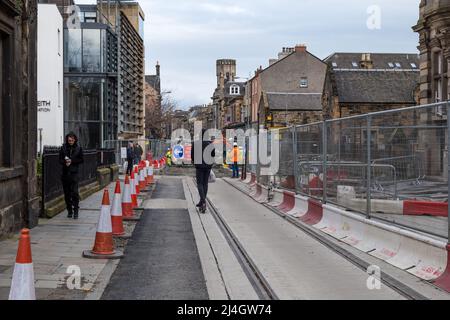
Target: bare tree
x,y
159,110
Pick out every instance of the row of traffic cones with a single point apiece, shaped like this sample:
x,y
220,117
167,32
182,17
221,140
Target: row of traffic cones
x,y
111,218
110,225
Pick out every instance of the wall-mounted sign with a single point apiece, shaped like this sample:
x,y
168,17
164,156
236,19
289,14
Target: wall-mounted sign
x,y
44,106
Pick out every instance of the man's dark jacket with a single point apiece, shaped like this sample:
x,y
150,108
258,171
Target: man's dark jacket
x,y
202,164
74,153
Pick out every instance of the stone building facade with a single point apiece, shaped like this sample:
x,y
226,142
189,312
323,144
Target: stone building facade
x,y
289,91
19,203
359,83
433,28
228,98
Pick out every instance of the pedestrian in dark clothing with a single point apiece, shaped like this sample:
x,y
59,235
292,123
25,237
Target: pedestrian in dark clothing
x,y
130,158
70,157
203,168
138,152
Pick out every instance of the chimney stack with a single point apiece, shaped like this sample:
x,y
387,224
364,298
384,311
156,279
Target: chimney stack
x,y
158,69
366,61
300,48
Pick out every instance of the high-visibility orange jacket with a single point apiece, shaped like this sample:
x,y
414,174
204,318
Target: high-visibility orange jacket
x,y
235,155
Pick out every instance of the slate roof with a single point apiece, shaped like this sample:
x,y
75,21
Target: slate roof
x,y
294,101
345,60
372,86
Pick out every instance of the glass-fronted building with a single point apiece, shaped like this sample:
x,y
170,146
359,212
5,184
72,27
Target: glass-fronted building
x,y
90,80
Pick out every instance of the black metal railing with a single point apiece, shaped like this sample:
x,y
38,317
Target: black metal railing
x,y
52,172
105,157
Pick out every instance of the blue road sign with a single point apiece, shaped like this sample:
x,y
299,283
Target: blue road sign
x,y
178,152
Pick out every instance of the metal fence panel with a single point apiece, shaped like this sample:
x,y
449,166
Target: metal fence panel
x,y
346,163
309,160
286,177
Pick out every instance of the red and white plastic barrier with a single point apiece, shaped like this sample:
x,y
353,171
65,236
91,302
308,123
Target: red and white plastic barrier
x,y
248,179
288,202
314,214
257,191
347,198
422,256
264,196
277,198
253,179
300,207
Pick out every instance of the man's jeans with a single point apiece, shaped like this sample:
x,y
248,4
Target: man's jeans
x,y
202,176
235,168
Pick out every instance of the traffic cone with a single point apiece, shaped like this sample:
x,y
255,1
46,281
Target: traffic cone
x,y
145,173
136,180
104,245
127,204
155,164
116,213
134,203
142,179
22,285
150,174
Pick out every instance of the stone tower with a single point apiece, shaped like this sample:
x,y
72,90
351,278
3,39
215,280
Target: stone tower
x,y
434,35
225,71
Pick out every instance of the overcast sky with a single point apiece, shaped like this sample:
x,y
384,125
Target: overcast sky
x,y
188,36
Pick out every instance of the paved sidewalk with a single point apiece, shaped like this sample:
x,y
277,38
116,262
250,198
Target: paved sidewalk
x,y
57,244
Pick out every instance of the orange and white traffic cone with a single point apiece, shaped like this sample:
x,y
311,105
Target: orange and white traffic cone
x,y
150,174
136,180
104,244
142,179
116,213
134,202
145,174
22,285
127,205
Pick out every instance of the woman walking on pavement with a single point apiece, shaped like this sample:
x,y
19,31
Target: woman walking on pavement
x,y
70,157
203,164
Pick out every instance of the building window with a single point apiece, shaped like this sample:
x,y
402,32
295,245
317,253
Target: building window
x,y
91,50
398,65
391,65
355,65
440,79
72,50
90,17
234,90
304,82
83,112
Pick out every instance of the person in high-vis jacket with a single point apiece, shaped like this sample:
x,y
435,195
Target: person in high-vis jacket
x,y
235,160
169,157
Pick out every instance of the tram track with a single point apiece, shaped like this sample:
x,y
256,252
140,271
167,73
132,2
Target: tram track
x,y
386,279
